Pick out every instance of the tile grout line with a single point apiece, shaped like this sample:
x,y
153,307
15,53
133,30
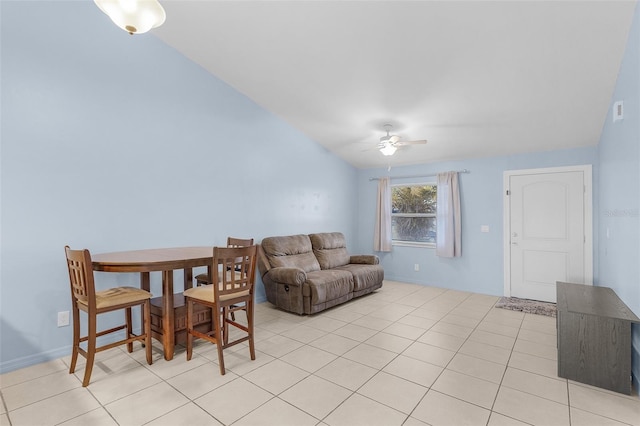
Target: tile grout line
x,y
407,415
430,388
468,338
378,370
495,399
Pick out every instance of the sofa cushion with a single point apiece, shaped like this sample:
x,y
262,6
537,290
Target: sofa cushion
x,y
364,276
324,286
330,249
293,251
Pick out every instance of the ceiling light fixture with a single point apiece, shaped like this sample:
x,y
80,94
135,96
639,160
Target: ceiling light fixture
x,y
133,16
388,149
387,146
390,143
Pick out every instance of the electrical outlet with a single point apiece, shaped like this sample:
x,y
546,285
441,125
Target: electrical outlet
x,y
416,267
63,319
618,111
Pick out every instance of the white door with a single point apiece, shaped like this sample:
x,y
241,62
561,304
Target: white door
x,y
549,223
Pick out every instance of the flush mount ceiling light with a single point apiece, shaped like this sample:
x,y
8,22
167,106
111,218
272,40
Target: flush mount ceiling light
x,y
133,16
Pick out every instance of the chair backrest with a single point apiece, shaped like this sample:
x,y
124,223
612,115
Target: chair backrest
x,y
239,242
81,276
240,260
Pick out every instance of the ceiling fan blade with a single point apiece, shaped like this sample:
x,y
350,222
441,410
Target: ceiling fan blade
x,y
403,143
394,138
373,148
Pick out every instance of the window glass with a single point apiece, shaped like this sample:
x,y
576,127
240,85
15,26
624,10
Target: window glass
x,y
413,213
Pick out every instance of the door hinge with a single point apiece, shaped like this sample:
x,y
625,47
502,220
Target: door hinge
x,y
508,192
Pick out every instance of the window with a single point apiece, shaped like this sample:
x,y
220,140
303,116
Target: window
x,y
413,214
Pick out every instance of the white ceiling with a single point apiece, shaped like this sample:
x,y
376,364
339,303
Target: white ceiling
x,y
475,78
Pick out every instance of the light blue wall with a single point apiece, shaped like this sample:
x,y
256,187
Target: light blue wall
x,y
619,209
115,142
481,267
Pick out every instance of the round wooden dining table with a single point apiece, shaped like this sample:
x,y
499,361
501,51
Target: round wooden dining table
x,y
165,260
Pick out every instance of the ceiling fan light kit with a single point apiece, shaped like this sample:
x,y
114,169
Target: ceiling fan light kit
x,y
388,149
133,16
390,143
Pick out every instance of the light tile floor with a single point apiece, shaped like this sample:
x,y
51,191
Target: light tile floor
x,y
405,355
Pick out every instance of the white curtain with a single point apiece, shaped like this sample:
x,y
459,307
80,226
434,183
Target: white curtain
x,y
448,238
382,233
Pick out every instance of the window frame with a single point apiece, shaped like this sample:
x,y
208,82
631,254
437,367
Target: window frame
x,y
419,244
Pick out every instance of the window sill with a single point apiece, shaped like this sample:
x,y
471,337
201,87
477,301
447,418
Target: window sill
x,y
413,244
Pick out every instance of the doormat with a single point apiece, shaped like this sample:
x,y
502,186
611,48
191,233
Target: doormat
x,y
527,306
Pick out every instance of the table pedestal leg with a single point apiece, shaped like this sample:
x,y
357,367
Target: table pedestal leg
x,y
168,313
168,325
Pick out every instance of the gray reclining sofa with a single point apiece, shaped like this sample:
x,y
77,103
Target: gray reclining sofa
x,y
306,274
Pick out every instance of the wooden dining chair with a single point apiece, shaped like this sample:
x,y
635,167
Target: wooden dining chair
x,y
203,279
84,297
233,276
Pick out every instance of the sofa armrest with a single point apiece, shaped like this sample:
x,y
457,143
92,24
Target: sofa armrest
x,y
263,262
367,259
292,276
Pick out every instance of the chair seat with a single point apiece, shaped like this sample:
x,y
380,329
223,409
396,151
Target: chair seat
x,y
205,294
118,296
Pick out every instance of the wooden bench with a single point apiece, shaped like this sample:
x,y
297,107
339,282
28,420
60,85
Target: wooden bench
x,y
594,336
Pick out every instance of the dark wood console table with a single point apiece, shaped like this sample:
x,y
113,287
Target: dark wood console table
x,y
594,336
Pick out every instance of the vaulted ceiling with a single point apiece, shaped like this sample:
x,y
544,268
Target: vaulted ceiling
x,y
474,78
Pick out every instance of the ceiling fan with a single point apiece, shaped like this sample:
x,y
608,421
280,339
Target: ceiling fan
x,y
389,143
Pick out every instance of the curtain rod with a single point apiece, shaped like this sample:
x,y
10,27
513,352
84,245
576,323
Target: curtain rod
x,y
417,176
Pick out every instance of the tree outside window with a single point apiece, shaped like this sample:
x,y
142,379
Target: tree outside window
x,y
413,213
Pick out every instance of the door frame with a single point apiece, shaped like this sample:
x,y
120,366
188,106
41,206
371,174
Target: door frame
x,y
586,169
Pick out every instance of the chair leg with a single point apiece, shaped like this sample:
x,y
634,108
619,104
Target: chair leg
x,y
213,319
219,339
249,312
189,328
127,316
76,340
91,349
225,324
147,330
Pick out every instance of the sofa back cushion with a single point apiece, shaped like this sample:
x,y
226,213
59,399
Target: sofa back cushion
x,y
293,251
330,249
